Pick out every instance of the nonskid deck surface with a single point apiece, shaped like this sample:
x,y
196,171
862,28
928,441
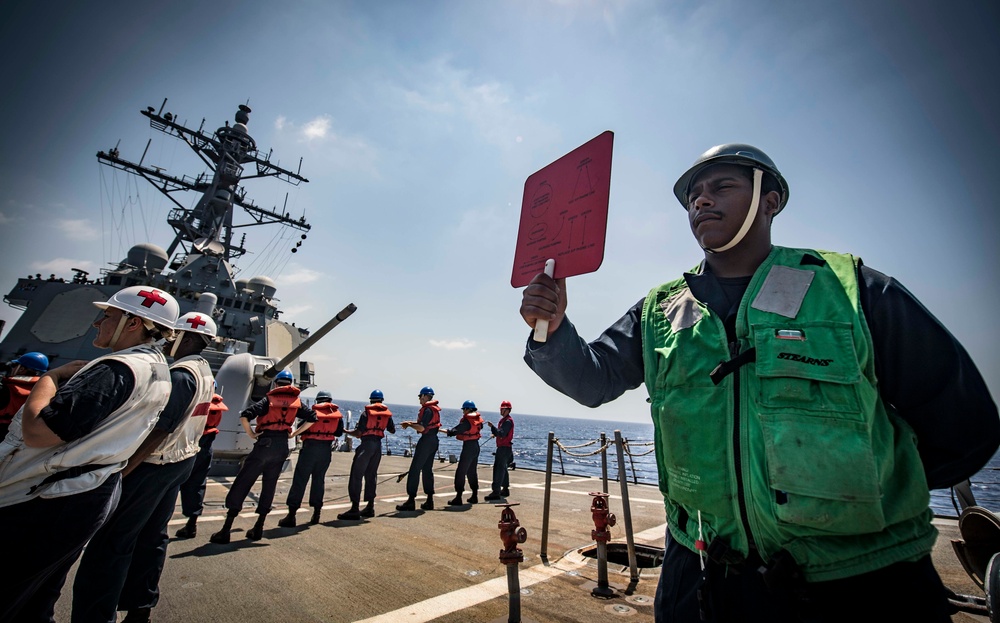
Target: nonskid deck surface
x,y
440,565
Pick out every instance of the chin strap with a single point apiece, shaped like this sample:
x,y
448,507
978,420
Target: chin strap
x,y
118,330
177,342
758,175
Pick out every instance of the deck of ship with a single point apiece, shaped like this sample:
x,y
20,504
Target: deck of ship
x,y
439,565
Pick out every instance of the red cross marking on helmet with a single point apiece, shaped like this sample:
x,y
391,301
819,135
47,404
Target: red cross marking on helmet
x,y
195,322
152,296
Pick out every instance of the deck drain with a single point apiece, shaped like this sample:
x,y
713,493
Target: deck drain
x,y
646,557
472,573
640,600
525,591
620,609
572,573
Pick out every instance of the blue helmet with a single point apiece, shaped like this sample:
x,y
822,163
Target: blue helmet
x,y
324,397
376,395
34,361
468,404
284,378
427,390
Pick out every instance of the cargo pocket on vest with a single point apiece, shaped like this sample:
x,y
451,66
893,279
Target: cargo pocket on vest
x,y
822,474
820,461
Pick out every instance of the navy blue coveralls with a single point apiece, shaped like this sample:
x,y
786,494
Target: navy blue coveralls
x,y
503,457
365,463
267,457
121,567
423,456
51,532
314,460
468,460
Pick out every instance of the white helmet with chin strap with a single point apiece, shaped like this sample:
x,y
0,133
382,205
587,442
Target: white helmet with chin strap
x,y
743,155
193,322
157,309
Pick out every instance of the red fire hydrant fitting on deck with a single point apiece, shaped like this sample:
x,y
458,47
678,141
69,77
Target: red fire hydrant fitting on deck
x,y
511,534
602,518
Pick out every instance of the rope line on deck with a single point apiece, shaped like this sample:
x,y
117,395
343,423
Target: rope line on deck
x,y
566,449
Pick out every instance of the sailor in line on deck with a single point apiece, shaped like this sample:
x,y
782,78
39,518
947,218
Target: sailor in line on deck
x,y
63,456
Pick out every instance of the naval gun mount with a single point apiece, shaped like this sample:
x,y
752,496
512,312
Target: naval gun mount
x,y
245,378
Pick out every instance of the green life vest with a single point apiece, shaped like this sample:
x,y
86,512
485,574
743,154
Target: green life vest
x,y
792,449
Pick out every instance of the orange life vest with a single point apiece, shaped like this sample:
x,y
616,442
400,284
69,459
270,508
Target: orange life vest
x,y
328,417
215,410
475,425
376,419
283,405
508,439
18,388
435,425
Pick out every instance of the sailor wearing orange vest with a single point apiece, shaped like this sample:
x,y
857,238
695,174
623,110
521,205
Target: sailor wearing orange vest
x,y
468,432
371,428
504,456
314,459
275,414
15,387
121,566
428,424
193,489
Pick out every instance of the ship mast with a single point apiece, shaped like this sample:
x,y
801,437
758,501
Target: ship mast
x,y
229,152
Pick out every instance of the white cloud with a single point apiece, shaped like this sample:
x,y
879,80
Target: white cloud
x,y
460,344
279,123
302,275
78,229
418,100
317,128
288,314
493,109
4,219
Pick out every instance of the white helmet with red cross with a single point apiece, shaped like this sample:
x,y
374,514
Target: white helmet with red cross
x,y
197,322
147,303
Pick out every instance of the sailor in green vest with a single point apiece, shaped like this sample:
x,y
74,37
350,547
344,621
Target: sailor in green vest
x,y
803,405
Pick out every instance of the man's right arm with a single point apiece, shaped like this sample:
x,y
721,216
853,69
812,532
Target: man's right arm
x,y
59,411
591,373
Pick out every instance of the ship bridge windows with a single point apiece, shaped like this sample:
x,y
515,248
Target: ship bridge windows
x,y
258,308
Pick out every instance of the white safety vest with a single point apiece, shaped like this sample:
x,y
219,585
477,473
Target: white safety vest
x,y
182,443
110,444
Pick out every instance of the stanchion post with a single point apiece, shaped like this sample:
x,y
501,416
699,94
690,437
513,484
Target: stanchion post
x,y
627,514
545,503
604,462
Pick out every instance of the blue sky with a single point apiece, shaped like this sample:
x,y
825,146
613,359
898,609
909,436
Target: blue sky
x,y
418,123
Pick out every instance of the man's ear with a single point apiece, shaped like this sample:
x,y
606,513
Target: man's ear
x,y
770,202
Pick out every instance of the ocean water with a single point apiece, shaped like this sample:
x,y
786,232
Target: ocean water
x,y
531,437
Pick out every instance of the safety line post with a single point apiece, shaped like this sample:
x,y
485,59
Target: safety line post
x,y
545,503
627,515
604,462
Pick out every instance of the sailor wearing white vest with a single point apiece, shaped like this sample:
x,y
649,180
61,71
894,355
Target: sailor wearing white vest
x,y
60,462
121,567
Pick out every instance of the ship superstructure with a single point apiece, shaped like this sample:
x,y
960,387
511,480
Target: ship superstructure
x,y
196,268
